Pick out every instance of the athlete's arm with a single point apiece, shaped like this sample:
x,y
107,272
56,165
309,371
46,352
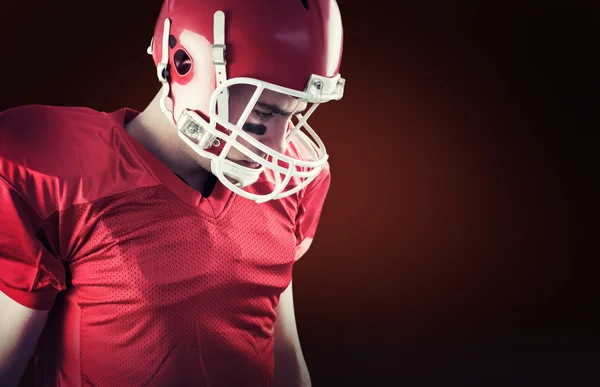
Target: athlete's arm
x,y
290,366
20,329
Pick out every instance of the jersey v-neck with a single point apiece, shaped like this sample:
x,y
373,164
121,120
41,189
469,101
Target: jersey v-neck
x,y
213,206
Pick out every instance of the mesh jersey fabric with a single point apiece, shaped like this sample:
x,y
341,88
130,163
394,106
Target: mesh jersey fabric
x,y
147,282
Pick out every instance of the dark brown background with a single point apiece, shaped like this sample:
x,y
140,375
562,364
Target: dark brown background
x,y
458,242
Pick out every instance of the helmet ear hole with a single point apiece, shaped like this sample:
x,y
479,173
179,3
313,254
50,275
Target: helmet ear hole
x,y
182,62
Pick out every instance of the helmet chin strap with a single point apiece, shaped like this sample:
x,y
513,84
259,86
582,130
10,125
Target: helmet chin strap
x,y
242,176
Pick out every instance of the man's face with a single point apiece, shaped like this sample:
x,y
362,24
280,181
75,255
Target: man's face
x,y
268,121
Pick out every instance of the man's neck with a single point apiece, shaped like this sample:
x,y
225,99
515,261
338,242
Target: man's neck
x,y
156,133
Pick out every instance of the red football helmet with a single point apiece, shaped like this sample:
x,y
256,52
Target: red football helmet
x,y
292,47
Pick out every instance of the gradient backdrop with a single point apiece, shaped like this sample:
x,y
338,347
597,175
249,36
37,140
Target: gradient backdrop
x,y
458,242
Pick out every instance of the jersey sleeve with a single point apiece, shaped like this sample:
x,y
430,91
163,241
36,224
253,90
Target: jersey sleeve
x,y
309,211
29,273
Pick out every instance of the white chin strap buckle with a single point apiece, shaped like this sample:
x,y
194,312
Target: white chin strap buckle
x,y
192,126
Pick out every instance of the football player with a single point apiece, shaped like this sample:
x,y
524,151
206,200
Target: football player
x,y
156,248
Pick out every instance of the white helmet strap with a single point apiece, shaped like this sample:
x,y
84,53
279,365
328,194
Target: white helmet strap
x,y
162,68
218,58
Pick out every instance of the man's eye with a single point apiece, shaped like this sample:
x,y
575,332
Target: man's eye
x,y
261,115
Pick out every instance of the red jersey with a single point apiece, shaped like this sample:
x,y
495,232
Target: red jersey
x,y
148,282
